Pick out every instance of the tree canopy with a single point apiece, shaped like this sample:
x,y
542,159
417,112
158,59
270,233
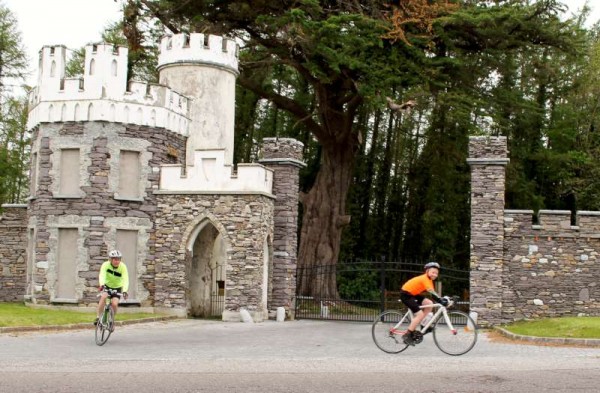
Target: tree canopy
x,y
14,141
334,73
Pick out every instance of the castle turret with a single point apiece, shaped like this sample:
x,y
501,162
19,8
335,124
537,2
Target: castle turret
x,y
102,93
97,146
203,68
52,67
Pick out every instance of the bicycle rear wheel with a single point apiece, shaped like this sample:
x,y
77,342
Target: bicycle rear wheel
x,y
104,325
458,341
386,335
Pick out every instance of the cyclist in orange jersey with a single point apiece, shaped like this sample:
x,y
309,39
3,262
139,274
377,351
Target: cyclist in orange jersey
x,y
412,296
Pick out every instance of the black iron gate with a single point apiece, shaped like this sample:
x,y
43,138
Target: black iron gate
x,y
366,288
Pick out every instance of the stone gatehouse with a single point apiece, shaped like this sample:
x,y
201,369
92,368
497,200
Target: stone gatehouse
x,y
148,169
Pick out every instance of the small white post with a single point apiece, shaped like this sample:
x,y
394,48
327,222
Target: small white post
x,y
280,314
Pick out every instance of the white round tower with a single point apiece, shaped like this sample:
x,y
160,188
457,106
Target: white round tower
x,y
203,68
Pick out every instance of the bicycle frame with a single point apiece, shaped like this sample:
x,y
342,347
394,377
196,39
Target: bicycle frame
x,y
442,310
108,299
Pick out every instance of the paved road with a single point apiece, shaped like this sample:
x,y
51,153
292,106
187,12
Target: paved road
x,y
298,356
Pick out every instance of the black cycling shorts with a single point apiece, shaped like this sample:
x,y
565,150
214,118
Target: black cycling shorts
x,y
413,302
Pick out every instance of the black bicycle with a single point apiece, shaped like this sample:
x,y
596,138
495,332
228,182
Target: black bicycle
x,y
106,322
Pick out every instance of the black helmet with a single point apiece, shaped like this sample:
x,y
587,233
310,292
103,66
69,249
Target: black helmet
x,y
429,265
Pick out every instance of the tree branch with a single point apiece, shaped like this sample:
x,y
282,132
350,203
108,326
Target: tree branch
x,y
284,103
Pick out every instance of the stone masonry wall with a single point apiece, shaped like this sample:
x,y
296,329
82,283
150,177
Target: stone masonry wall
x,y
98,212
551,269
244,221
13,243
520,270
284,156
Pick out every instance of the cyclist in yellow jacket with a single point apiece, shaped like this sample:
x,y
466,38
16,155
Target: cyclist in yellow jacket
x,y
113,275
412,296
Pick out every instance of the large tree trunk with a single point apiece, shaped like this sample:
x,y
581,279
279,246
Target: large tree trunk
x,y
323,220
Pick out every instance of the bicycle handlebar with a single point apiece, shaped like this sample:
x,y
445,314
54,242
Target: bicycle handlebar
x,y
450,300
110,292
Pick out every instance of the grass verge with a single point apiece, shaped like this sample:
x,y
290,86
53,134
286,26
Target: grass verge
x,y
17,314
566,327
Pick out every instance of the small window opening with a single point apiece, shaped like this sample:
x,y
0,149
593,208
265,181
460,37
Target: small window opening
x,y
113,68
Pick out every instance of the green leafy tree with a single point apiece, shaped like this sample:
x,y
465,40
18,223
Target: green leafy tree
x,y
13,139
338,50
347,53
13,59
14,152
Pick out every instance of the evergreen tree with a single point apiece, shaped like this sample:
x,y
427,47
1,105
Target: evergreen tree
x,y
351,54
13,140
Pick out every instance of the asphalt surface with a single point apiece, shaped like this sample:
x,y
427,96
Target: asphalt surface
x,y
292,356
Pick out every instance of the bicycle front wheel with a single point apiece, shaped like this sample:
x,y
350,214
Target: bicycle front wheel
x,y
103,328
387,331
458,341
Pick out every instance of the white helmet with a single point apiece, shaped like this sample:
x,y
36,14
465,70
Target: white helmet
x,y
115,254
429,265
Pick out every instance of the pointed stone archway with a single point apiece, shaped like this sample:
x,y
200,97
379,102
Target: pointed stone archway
x,y
206,271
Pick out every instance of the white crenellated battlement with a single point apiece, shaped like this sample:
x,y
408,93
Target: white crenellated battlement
x,y
211,173
103,92
199,48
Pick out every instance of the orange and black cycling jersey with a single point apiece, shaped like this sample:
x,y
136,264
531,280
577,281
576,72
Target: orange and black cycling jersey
x,y
418,285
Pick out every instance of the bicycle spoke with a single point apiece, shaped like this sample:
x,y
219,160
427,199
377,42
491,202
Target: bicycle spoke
x,y
386,335
458,341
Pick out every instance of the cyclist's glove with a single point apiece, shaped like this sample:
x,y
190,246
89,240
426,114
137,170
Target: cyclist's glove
x,y
441,300
101,288
125,295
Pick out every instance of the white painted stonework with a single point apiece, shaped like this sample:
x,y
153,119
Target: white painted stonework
x,y
204,68
102,94
210,174
210,49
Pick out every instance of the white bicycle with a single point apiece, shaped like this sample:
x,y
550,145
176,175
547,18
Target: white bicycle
x,y
454,332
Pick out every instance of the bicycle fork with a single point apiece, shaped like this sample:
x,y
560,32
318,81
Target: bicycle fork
x,y
449,322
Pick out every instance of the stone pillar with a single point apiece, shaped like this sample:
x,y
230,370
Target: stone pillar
x,y
488,160
284,157
13,255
